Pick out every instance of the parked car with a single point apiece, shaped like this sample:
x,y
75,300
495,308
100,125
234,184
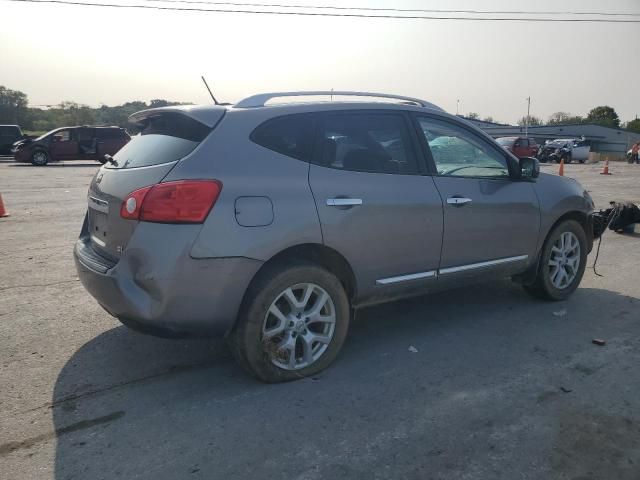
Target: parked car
x,y
567,149
519,146
269,224
71,143
9,134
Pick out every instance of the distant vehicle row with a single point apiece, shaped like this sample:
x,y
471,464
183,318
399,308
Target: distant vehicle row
x,y
567,149
67,143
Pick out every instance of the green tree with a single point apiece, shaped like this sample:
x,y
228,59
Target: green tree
x,y
13,106
604,115
564,118
633,125
533,121
473,116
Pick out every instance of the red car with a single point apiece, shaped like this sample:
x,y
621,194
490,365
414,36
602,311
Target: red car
x,y
520,146
71,143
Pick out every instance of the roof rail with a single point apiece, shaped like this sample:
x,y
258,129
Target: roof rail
x,y
261,99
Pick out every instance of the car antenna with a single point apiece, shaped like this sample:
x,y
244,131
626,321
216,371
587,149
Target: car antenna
x,y
206,85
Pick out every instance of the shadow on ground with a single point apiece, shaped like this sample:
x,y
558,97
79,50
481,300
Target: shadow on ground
x,y
481,398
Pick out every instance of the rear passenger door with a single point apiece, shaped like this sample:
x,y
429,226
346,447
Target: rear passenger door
x,y
376,207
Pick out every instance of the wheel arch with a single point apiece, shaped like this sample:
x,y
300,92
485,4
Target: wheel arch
x,y
582,218
321,255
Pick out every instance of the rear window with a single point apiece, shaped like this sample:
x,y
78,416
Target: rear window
x,y
163,138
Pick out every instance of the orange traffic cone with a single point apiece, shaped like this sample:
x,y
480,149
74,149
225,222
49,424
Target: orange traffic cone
x,y
605,170
561,171
3,212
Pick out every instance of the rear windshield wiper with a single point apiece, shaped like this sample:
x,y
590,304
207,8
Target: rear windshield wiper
x,y
109,159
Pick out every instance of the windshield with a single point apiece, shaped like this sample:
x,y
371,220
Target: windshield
x,y
47,134
506,141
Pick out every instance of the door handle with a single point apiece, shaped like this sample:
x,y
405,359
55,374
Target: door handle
x,y
343,202
458,201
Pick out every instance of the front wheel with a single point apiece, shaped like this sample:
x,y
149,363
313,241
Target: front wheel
x,y
39,158
562,262
292,324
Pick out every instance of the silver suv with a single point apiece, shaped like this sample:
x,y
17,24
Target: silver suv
x,y
269,224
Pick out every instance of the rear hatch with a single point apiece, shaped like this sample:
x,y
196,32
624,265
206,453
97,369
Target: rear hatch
x,y
166,136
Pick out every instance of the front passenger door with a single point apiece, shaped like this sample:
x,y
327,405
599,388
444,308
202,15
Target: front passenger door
x,y
491,221
64,145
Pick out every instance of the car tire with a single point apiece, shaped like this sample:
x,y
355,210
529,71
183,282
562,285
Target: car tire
x,y
40,158
557,262
263,342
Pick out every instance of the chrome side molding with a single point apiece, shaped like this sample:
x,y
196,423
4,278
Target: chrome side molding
x,y
489,263
406,278
445,271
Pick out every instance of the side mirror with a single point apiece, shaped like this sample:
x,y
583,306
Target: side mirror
x,y
529,168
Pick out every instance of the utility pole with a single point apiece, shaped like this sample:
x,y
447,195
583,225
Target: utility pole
x,y
457,107
526,121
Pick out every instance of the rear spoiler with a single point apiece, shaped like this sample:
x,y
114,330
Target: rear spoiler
x,y
208,115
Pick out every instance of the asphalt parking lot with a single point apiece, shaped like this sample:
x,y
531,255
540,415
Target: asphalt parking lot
x,y
501,386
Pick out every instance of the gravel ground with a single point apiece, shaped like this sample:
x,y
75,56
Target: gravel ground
x,y
501,386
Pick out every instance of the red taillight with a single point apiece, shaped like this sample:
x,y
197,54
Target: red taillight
x,y
184,201
131,206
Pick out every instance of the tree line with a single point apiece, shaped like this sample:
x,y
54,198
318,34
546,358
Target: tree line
x,y
14,109
602,115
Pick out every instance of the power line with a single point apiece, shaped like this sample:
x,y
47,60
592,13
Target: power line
x,y
379,9
325,14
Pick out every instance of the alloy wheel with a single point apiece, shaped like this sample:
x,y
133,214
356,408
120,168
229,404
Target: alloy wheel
x,y
564,261
40,158
299,326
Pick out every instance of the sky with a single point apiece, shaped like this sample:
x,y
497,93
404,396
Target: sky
x,y
97,56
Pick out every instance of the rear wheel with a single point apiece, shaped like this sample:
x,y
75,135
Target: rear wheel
x,y
39,158
293,323
562,262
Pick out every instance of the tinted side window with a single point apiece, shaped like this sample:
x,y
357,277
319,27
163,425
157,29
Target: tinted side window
x,y
84,134
459,153
63,135
9,131
368,142
108,133
291,135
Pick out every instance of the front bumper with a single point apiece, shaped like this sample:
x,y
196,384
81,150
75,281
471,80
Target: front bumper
x,y
156,290
21,155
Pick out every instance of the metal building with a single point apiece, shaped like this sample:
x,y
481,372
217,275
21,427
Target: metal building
x,y
612,142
